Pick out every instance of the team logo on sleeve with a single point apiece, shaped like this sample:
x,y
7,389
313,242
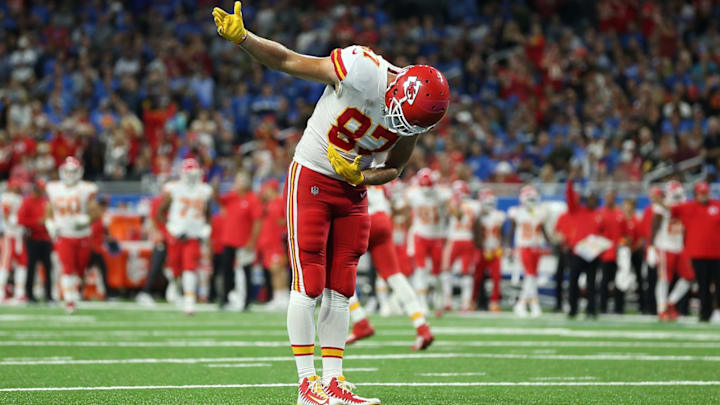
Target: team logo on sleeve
x,y
411,87
314,190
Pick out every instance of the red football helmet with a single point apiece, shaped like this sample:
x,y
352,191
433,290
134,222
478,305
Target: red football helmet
x,y
460,188
416,101
70,171
487,199
702,188
15,184
425,178
191,172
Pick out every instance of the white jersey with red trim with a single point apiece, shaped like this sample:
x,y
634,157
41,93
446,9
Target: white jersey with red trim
x,y
351,115
187,215
492,223
70,207
10,203
461,229
429,211
528,223
671,235
377,201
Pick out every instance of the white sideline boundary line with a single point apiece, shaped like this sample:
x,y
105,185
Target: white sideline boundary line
x,y
376,384
364,344
595,357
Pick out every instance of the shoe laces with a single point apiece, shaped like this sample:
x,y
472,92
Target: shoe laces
x,y
345,385
315,385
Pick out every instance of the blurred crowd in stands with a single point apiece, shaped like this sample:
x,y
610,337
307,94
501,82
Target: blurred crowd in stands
x,y
132,87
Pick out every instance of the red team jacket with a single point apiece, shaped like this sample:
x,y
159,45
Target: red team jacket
x,y
272,230
702,228
31,215
241,212
614,228
584,221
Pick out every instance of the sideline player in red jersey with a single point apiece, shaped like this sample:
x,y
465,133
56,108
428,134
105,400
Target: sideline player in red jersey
x,y
270,246
71,210
369,106
488,239
384,257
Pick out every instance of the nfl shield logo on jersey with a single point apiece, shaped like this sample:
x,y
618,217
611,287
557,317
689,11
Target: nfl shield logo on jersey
x,y
314,190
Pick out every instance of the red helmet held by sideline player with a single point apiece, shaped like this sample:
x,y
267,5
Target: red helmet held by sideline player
x,y
425,177
416,101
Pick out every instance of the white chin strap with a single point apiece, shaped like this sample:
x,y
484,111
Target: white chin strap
x,y
396,122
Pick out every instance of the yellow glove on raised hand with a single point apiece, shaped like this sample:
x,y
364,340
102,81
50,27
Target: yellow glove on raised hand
x,y
230,26
348,170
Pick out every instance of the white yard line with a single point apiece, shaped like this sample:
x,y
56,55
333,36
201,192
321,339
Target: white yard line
x,y
451,374
46,318
584,378
364,344
604,357
375,384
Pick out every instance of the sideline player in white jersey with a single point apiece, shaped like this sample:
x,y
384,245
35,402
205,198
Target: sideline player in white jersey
x,y
71,210
488,239
668,239
185,208
460,248
13,249
368,106
386,263
429,212
528,231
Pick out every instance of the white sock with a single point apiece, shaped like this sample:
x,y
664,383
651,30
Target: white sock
x,y
382,293
333,323
4,274
681,288
20,280
466,290
529,288
661,292
446,285
357,313
281,295
189,286
402,289
67,284
420,282
301,331
438,298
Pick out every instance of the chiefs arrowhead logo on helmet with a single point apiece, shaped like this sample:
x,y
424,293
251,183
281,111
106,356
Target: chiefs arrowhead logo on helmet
x,y
411,86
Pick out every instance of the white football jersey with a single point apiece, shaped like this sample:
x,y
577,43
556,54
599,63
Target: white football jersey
x,y
70,207
528,223
461,229
10,203
377,202
351,116
428,211
187,215
492,223
671,235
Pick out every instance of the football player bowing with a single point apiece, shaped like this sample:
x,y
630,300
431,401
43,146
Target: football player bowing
x,y
184,211
71,210
368,106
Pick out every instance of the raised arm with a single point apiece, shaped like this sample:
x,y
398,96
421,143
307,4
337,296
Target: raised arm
x,y
270,53
571,196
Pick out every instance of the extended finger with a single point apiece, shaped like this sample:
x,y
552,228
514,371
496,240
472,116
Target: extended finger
x,y
238,7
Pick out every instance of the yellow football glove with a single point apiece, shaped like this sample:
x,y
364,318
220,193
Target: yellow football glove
x,y
230,26
349,170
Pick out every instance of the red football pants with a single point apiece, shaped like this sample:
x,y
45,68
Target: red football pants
x,y
670,263
381,247
328,229
493,266
183,255
432,248
74,254
463,250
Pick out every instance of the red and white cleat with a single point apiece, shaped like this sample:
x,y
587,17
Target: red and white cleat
x,y
424,338
70,307
672,313
311,392
361,330
340,392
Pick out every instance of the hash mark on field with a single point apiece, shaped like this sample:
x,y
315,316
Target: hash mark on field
x,y
374,384
451,374
238,365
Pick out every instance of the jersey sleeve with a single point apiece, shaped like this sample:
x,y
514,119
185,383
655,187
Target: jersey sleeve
x,y
356,66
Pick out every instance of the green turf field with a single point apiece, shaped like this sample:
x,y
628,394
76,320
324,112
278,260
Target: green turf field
x,y
120,354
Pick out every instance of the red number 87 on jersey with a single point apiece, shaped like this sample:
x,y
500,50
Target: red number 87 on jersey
x,y
351,127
